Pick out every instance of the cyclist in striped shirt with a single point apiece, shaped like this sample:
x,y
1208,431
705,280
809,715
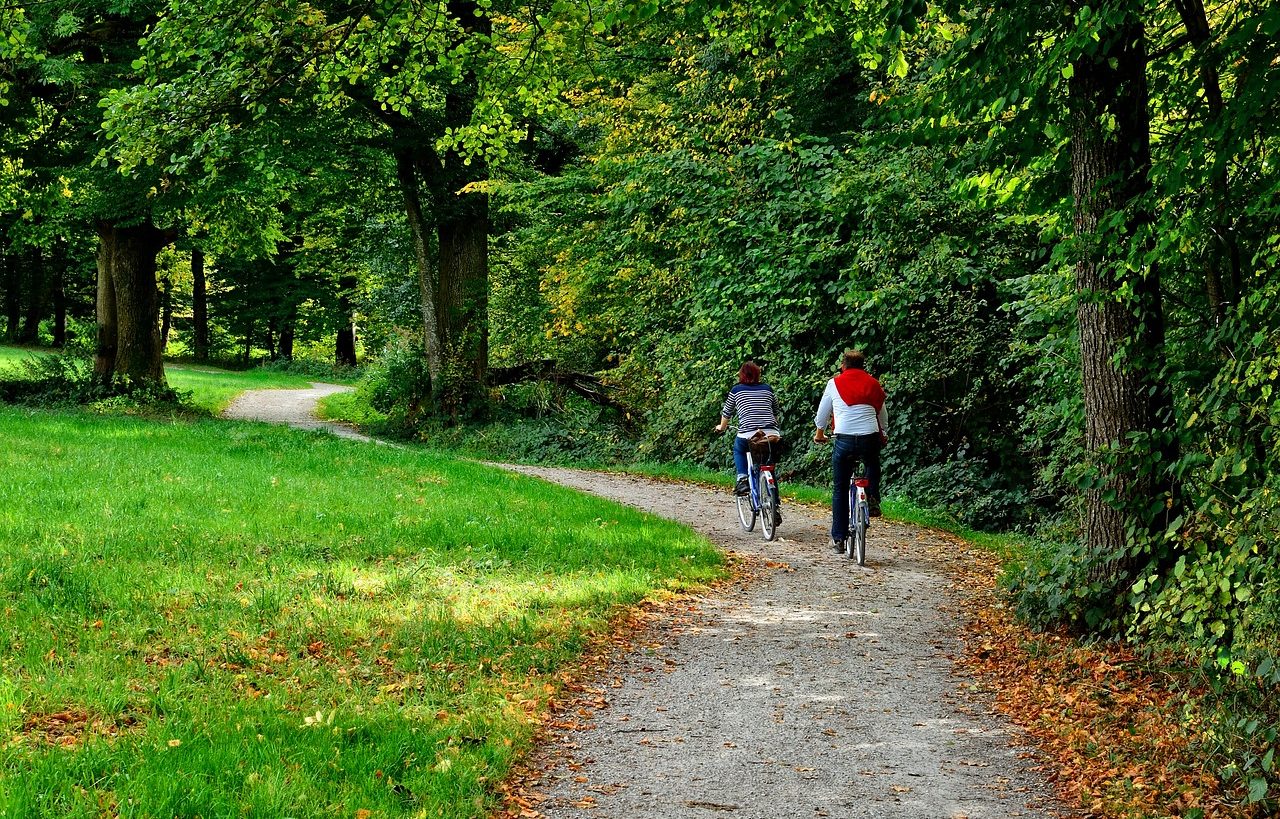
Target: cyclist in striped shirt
x,y
757,409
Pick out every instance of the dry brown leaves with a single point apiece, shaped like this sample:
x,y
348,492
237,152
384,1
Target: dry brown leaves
x,y
72,727
1110,733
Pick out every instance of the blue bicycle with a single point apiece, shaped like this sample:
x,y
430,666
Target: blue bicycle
x,y
762,501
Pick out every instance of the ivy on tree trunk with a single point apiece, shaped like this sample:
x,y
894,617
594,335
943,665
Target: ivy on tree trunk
x,y
1120,314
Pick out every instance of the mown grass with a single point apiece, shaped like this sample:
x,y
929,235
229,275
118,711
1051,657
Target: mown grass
x,y
349,407
216,619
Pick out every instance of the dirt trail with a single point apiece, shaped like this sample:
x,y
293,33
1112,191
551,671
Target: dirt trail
x,y
296,408
816,689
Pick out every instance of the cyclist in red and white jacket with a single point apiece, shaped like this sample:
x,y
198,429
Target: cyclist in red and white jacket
x,y
854,401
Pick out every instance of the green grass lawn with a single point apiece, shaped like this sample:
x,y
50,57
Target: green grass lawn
x,y
216,619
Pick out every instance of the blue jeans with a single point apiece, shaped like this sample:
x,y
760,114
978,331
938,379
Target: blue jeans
x,y
846,453
740,455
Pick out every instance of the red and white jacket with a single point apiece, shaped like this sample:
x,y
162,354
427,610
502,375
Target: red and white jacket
x,y
856,401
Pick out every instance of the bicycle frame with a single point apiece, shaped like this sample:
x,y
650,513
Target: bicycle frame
x,y
755,474
761,500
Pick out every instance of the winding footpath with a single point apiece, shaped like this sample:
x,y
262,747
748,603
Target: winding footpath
x,y
810,688
297,408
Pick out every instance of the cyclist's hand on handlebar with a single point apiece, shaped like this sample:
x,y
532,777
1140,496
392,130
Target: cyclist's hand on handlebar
x,y
884,438
718,430
820,437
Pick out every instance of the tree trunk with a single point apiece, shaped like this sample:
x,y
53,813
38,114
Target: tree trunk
x,y
1119,311
345,344
286,340
128,304
1223,250
407,169
12,295
199,307
166,311
463,300
60,303
30,333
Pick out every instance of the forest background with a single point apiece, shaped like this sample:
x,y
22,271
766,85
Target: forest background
x,y
553,230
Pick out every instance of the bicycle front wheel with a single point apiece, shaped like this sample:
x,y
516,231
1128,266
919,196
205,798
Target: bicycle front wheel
x,y
768,507
746,515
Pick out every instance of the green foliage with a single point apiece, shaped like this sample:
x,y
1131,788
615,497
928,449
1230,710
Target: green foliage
x,y
398,386
535,423
311,368
1050,585
969,490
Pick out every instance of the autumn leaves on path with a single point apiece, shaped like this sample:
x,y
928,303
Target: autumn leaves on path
x,y
810,688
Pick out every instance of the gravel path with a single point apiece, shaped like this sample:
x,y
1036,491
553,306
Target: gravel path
x,y
817,689
812,688
293,407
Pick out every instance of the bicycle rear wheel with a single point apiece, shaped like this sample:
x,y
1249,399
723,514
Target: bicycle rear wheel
x,y
853,523
746,515
859,533
768,506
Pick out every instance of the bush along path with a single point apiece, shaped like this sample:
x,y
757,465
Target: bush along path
x,y
809,687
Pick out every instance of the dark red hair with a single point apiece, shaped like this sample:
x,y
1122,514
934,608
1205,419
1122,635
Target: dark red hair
x,y
749,373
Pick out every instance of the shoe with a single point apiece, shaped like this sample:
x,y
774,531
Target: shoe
x,y
743,487
777,518
837,546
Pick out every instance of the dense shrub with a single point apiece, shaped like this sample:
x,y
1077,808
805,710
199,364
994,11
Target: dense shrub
x,y
969,490
318,369
398,385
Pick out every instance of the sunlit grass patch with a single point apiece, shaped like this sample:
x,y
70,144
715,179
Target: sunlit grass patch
x,y
258,619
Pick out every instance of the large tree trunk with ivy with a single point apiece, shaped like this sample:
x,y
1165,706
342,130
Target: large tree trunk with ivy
x,y
463,295
1127,405
462,228
411,163
129,304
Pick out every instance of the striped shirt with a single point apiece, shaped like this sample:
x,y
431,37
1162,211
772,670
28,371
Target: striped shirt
x,y
756,407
